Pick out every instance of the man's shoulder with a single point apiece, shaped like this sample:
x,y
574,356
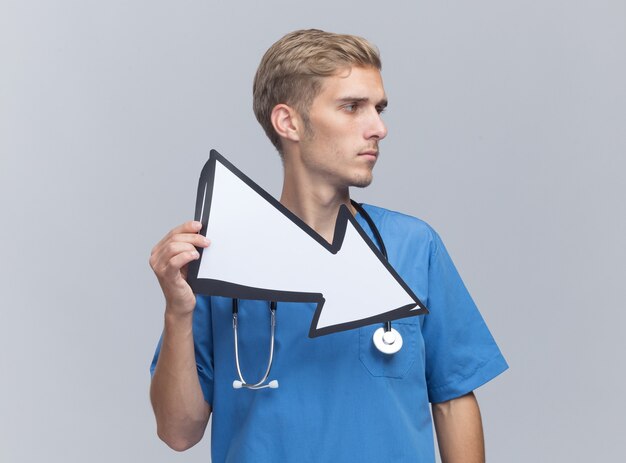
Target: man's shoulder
x,y
400,223
391,217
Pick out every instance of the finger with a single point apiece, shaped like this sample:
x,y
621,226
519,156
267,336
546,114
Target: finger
x,y
191,227
161,258
174,265
196,239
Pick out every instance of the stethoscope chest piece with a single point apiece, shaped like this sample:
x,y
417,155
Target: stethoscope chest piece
x,y
388,342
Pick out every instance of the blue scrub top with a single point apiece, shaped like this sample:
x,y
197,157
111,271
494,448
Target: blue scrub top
x,y
340,399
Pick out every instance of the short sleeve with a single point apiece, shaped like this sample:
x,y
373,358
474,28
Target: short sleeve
x,y
461,354
203,346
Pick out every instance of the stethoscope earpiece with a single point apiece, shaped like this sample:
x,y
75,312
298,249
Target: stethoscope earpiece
x,y
273,384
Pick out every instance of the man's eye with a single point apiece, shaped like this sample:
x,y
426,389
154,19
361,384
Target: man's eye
x,y
380,109
352,107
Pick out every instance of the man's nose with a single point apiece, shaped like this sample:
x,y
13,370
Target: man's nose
x,y
376,127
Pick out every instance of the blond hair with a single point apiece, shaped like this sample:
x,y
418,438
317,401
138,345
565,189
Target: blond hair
x,y
291,71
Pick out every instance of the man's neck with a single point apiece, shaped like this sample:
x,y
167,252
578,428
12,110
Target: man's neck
x,y
315,202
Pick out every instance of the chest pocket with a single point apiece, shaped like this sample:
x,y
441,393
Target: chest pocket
x,y
388,365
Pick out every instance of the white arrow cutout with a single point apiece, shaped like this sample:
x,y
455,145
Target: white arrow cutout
x,y
260,250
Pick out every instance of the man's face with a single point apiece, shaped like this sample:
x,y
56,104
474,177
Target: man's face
x,y
344,127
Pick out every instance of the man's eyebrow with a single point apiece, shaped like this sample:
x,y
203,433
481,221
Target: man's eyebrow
x,y
355,99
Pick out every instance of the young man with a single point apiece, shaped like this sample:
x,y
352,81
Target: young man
x,y
319,97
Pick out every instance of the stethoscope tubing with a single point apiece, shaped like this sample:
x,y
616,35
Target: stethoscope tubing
x,y
379,239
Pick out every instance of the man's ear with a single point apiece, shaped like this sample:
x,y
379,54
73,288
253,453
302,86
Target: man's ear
x,y
286,122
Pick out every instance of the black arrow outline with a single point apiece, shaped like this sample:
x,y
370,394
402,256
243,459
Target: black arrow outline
x,y
223,288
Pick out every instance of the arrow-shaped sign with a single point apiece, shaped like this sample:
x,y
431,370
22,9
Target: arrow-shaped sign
x,y
261,250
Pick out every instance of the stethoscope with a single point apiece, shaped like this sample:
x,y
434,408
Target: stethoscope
x,y
386,338
239,383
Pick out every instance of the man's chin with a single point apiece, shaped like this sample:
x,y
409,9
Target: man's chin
x,y
362,182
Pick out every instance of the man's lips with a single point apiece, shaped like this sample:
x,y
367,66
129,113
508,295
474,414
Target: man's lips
x,y
370,153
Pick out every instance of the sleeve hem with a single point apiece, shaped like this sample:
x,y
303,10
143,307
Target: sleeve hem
x,y
207,391
482,375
